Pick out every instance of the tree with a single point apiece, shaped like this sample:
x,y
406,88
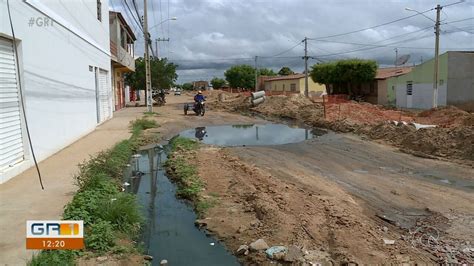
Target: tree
x,y
187,86
266,72
217,83
240,76
163,74
344,74
285,71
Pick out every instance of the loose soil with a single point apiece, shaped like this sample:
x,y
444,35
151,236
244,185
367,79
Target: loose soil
x,y
452,138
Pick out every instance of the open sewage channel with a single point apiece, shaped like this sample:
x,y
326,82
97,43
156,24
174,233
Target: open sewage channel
x,y
170,233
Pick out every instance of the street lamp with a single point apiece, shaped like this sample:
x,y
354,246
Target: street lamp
x,y
172,18
436,58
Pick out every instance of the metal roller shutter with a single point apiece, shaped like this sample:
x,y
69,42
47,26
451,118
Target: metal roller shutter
x,y
104,96
11,140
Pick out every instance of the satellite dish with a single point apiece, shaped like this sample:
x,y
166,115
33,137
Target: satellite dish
x,y
402,60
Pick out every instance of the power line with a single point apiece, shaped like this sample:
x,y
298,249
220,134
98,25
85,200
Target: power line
x,y
456,21
287,50
22,97
368,28
133,17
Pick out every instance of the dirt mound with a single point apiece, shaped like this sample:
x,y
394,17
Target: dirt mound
x,y
447,116
221,100
296,106
363,113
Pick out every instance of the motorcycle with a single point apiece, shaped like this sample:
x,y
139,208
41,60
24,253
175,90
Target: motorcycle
x,y
159,99
199,108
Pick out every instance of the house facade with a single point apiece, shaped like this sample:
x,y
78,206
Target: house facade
x,y
292,84
200,85
122,57
64,74
383,96
455,83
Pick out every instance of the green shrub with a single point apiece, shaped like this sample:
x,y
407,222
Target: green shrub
x,y
123,213
99,236
142,124
183,144
53,257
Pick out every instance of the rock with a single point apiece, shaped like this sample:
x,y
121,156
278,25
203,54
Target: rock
x,y
246,252
241,229
148,257
242,249
259,244
200,223
255,223
163,262
102,258
385,229
276,252
293,254
388,242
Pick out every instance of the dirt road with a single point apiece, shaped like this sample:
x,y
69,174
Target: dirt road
x,y
336,197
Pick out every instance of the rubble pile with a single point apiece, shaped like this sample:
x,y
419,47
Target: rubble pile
x,y
453,136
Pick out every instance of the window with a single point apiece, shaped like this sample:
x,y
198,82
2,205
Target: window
x,y
99,10
409,87
293,87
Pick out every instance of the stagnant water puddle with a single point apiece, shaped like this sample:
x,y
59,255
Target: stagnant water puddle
x,y
251,135
169,232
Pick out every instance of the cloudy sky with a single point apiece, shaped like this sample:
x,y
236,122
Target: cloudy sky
x,y
211,35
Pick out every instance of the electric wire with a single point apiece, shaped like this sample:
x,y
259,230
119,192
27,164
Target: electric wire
x,y
23,98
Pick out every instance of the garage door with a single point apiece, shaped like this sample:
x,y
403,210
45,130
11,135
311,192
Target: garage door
x,y
105,105
11,141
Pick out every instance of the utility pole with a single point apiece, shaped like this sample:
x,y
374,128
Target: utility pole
x,y
156,44
306,92
436,59
149,101
256,74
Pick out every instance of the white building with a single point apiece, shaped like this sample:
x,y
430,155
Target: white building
x,y
64,72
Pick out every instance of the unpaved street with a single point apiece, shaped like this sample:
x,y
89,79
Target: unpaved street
x,y
336,196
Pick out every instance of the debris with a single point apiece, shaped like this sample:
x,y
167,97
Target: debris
x,y
200,223
148,257
126,184
102,258
294,254
212,243
388,242
259,244
307,232
242,249
136,156
385,229
163,262
276,252
418,126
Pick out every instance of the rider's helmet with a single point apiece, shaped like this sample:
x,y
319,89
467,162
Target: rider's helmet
x,y
199,92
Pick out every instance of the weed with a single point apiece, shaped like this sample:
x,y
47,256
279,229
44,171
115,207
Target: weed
x,y
100,236
183,144
150,113
53,257
106,211
123,213
142,124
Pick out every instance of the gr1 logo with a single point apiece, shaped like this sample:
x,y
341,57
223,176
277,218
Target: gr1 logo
x,y
54,234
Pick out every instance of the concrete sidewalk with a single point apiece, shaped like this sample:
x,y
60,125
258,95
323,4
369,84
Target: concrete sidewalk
x,y
21,198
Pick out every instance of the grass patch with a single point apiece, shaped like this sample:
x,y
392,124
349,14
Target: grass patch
x,y
108,213
150,113
186,176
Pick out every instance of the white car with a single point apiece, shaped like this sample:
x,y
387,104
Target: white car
x,y
177,92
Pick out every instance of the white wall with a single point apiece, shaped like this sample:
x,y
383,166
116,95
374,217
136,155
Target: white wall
x,y
60,91
422,96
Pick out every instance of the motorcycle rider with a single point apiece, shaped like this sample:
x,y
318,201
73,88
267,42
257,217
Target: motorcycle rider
x,y
199,97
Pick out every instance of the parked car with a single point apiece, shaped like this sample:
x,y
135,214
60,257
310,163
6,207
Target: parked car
x,y
177,92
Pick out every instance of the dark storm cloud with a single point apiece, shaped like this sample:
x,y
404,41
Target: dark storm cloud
x,y
210,36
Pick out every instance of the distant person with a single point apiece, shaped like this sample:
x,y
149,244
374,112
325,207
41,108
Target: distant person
x,y
199,97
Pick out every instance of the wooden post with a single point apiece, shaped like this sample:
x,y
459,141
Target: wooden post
x,y
324,107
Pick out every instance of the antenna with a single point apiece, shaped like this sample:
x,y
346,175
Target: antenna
x,y
402,60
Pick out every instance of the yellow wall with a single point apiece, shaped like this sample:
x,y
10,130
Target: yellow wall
x,y
312,86
283,85
277,85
